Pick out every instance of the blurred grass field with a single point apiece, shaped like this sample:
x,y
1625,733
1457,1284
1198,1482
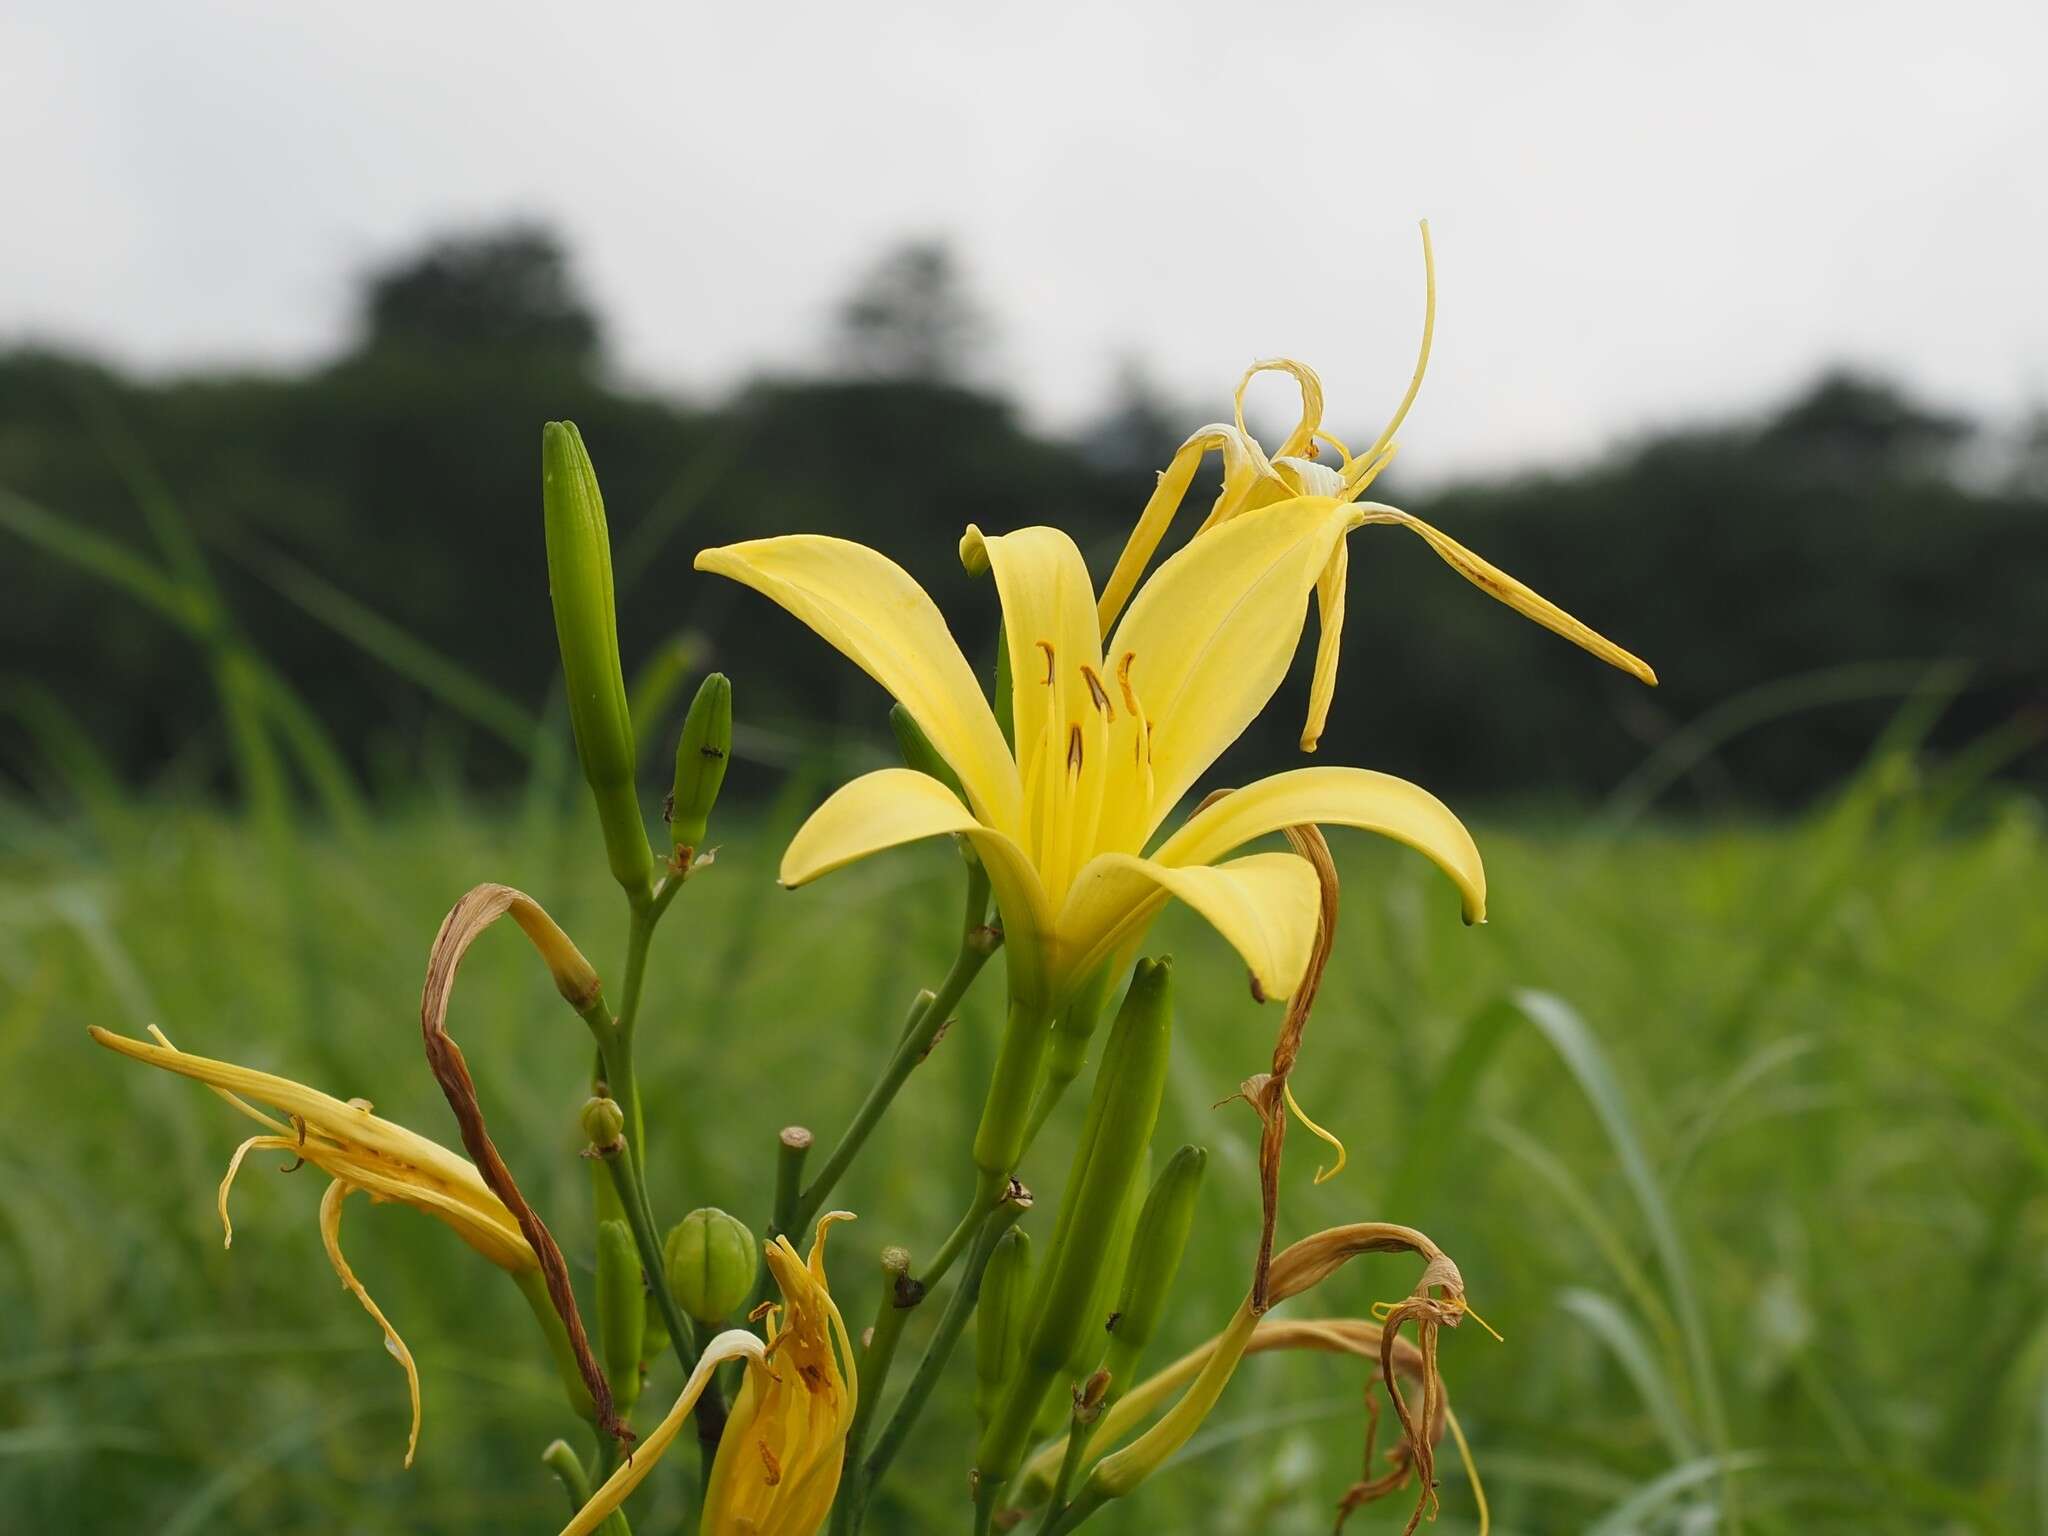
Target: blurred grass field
x,y
1737,1132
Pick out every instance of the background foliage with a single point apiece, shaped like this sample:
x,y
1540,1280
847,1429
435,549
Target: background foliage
x,y
1847,527
1734,1123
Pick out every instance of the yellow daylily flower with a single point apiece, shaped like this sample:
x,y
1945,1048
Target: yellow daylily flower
x,y
1252,480
778,1462
358,1151
1108,739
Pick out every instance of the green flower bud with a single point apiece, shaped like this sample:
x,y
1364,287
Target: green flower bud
x,y
1156,1249
586,626
999,1319
919,753
711,1259
1004,706
621,1311
1092,1341
701,757
605,1124
1114,1136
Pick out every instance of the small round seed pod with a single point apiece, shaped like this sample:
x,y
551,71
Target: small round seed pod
x,y
711,1260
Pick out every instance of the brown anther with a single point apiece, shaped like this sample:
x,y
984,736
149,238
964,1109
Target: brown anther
x,y
772,1468
1098,693
1046,646
1073,749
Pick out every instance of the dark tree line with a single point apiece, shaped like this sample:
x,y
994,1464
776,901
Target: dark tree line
x,y
1852,525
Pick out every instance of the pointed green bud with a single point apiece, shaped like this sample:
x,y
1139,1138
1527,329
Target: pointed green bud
x,y
918,751
654,1339
711,1259
999,1319
586,627
605,1124
621,1311
1004,706
702,754
1156,1249
1114,1137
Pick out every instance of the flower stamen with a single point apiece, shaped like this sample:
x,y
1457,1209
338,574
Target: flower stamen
x,y
1100,694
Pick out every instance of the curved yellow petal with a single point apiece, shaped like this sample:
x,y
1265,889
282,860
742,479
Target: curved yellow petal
x,y
1302,439
1265,905
1330,588
1497,583
1211,635
729,1345
1342,797
867,606
893,806
346,1123
1244,466
330,1236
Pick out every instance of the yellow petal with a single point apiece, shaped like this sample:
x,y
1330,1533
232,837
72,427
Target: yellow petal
x,y
892,806
1330,587
729,1345
1265,905
871,610
330,1235
385,1160
1213,632
1302,439
344,1122
227,1180
1047,599
1495,582
1244,466
1343,797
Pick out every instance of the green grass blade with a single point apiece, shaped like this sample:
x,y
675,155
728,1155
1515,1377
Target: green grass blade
x,y
411,658
1581,1052
1613,1327
654,690
1633,1514
99,556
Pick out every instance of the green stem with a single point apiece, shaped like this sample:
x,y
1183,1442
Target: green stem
x,y
918,1393
608,1452
535,1290
900,1296
792,1146
710,1410
921,1031
956,1241
1079,1435
568,1468
1006,1117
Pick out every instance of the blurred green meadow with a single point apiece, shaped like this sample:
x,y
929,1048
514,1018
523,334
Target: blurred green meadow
x,y
1736,1130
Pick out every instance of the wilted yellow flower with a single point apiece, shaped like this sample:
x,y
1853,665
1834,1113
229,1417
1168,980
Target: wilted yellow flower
x,y
778,1461
1436,1302
358,1151
1251,480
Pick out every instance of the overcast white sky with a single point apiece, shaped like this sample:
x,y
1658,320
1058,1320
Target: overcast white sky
x,y
1641,210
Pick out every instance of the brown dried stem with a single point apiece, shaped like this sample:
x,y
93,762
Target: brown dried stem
x,y
1267,1092
578,984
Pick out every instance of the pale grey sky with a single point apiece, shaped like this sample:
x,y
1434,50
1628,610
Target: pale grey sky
x,y
1641,210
